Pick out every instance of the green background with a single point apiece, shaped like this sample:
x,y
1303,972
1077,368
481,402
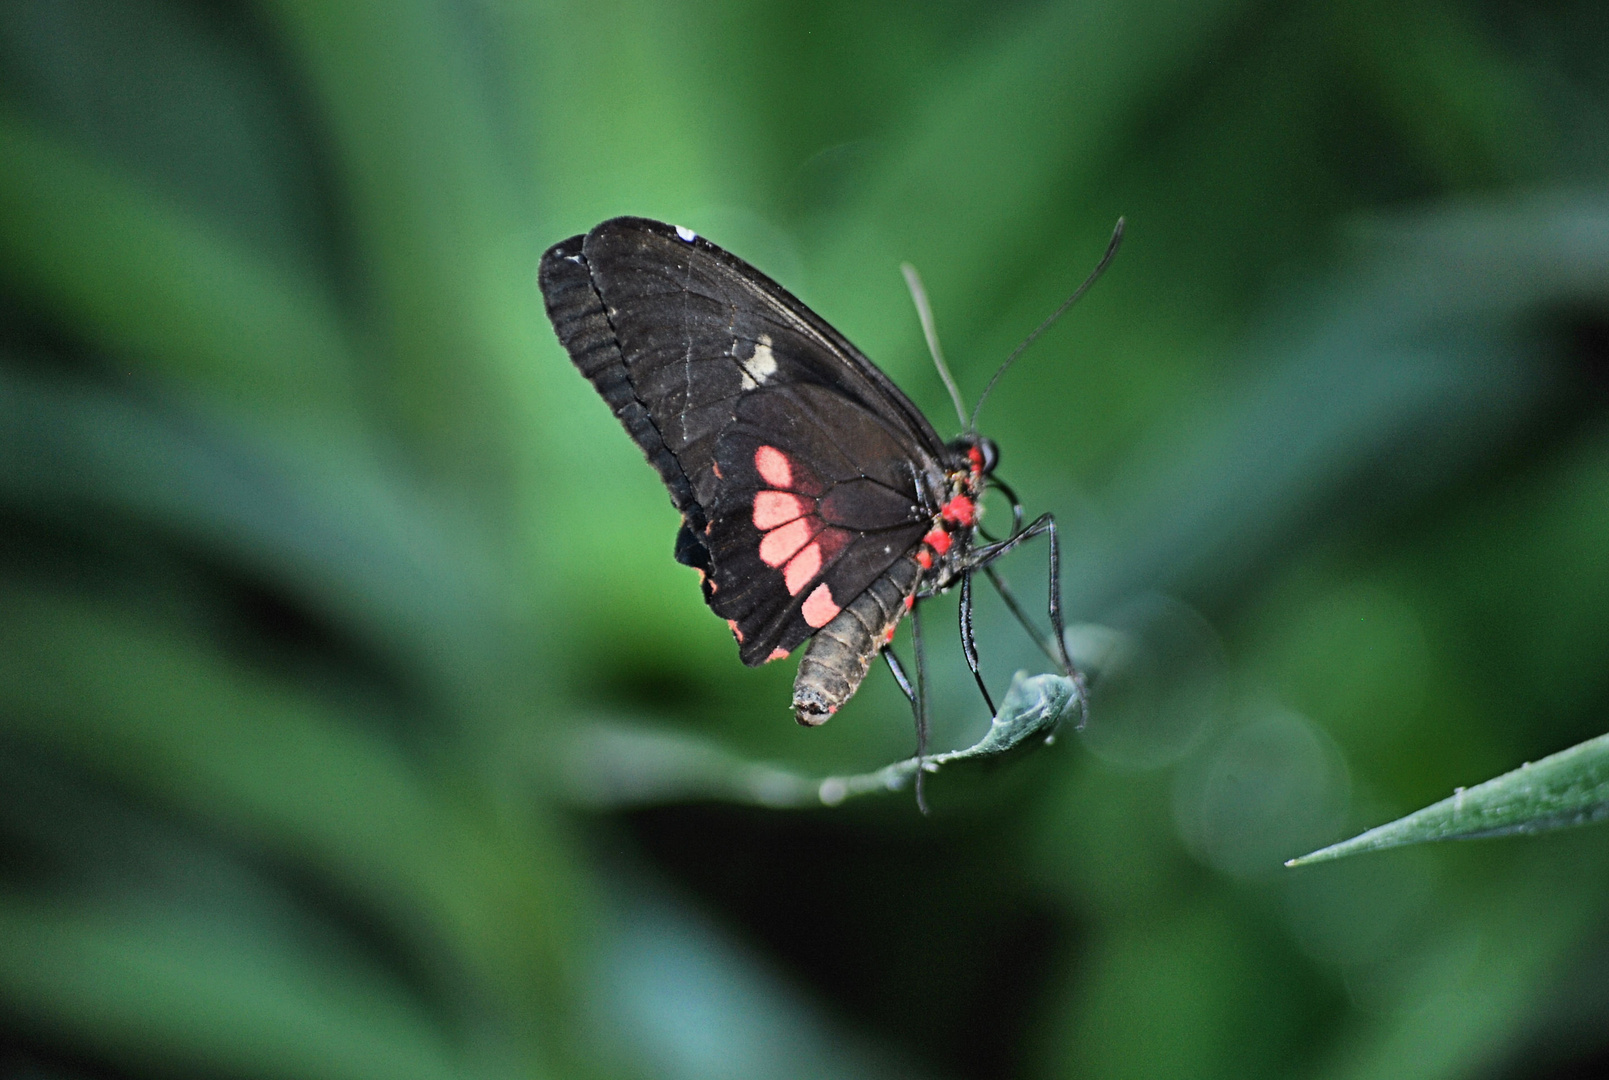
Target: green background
x,y
325,579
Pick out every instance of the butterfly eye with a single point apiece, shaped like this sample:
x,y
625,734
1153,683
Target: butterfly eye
x,y
991,455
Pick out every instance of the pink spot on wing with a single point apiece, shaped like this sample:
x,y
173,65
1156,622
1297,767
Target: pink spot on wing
x,y
801,568
819,607
773,508
777,654
778,545
774,467
735,631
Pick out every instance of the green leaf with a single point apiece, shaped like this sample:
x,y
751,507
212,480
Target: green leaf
x,y
1566,789
148,282
614,765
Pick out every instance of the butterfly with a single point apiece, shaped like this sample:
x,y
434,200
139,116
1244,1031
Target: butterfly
x,y
818,504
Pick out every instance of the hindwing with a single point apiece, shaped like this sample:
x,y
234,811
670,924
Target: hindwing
x,y
815,505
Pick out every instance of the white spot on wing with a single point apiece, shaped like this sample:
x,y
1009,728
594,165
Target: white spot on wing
x,y
761,366
686,234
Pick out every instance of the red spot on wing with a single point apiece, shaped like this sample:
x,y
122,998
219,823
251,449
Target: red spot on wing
x,y
774,467
801,568
960,511
819,607
779,545
910,601
777,654
924,558
773,508
938,540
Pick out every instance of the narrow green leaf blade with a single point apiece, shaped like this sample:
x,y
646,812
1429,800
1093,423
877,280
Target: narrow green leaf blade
x,y
1560,791
612,766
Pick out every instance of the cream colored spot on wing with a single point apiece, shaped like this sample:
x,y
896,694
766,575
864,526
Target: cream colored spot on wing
x,y
686,234
761,366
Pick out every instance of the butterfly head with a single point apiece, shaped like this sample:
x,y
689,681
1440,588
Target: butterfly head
x,y
979,452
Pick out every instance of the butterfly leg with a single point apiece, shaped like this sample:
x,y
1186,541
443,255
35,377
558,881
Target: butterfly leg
x,y
897,669
998,579
914,696
969,640
1009,595
988,553
1044,524
1016,503
921,705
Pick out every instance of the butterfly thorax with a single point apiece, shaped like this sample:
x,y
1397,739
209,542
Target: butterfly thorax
x,y
956,514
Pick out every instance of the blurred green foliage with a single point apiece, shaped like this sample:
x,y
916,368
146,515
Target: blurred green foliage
x,y
320,560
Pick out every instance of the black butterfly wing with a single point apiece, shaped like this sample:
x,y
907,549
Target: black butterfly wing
x,y
706,361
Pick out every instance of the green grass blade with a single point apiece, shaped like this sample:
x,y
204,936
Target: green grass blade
x,y
1560,791
613,766
216,996
142,279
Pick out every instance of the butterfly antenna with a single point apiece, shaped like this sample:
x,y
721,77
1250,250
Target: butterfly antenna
x,y
1094,275
924,312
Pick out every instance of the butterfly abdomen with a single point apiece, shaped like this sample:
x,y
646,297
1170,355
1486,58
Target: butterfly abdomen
x,y
838,657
